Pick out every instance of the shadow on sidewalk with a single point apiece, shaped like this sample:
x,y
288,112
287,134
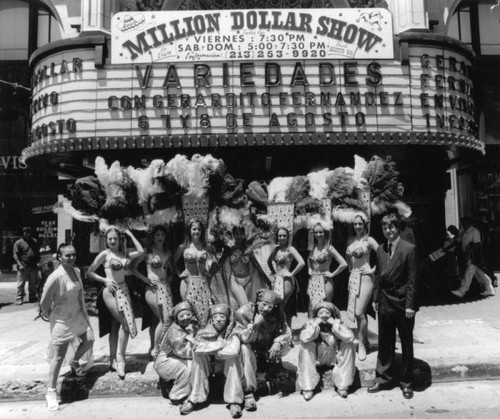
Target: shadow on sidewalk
x,y
75,389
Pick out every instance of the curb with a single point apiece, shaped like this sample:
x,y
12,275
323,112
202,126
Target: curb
x,y
99,383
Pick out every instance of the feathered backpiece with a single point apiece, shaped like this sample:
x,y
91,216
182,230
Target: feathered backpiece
x,y
87,196
257,194
386,190
278,188
298,190
121,197
319,187
233,192
195,208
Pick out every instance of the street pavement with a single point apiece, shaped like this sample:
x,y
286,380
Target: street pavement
x,y
461,400
459,340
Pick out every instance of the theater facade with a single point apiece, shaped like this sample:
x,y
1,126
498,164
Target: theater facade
x,y
272,91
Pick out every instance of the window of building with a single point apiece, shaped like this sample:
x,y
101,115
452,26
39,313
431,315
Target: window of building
x,y
15,27
48,28
13,42
489,29
459,26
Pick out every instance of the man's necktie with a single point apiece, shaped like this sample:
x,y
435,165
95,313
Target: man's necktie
x,y
389,249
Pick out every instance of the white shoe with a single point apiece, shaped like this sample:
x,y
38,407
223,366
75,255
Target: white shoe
x,y
51,397
488,293
458,293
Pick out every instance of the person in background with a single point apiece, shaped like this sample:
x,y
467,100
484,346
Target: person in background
x,y
63,303
471,246
325,341
395,302
26,253
96,242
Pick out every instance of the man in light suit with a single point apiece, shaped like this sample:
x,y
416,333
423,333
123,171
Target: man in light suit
x,y
395,301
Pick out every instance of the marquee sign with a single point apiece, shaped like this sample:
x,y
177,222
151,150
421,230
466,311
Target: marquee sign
x,y
227,35
190,103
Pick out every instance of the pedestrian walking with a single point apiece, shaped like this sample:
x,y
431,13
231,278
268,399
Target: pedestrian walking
x,y
26,253
63,303
475,266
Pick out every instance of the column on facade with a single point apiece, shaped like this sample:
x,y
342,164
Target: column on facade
x,y
409,15
96,15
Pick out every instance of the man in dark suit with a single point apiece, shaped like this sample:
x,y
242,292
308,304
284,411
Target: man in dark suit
x,y
394,300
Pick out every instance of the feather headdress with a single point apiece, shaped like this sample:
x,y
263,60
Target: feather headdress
x,y
178,168
319,187
278,188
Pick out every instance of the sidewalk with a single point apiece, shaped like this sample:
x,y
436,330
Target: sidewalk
x,y
461,340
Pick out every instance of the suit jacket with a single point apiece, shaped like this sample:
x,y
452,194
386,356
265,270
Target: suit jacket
x,y
396,278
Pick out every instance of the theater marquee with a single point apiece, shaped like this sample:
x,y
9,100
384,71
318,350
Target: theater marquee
x,y
426,97
154,37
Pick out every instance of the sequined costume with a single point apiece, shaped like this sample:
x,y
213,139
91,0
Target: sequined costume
x,y
198,289
161,269
116,268
359,261
316,286
283,259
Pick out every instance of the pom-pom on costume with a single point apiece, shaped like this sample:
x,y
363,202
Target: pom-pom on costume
x,y
329,345
174,361
257,340
223,348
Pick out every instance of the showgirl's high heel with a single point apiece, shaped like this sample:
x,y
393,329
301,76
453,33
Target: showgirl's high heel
x,y
120,369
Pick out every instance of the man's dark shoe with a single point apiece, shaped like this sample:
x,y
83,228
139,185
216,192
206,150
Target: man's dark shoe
x,y
407,392
378,387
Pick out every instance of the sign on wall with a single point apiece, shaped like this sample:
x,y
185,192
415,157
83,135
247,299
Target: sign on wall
x,y
227,35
